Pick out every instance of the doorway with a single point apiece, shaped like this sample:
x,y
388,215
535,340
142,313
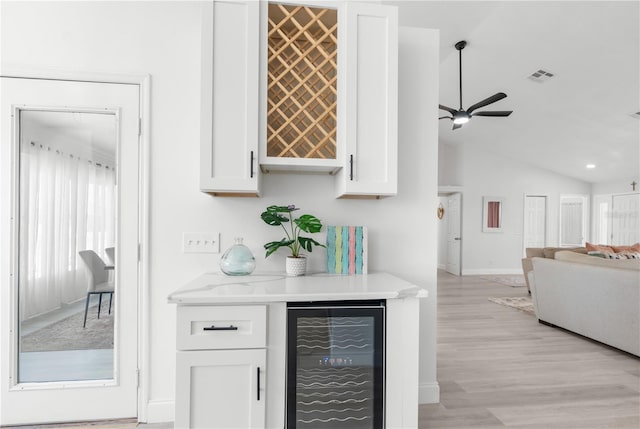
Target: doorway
x,y
625,222
450,233
69,152
574,218
535,222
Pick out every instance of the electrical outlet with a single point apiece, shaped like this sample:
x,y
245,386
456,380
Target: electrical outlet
x,y
201,242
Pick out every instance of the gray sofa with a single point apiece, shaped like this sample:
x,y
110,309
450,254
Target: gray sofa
x,y
543,252
591,296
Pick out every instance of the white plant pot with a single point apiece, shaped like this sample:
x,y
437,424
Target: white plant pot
x,y
296,266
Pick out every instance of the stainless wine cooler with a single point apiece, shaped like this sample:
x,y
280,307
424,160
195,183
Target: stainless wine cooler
x,y
335,365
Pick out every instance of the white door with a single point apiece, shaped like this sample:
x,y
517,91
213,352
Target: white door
x,y
625,228
454,238
601,232
69,183
535,221
573,220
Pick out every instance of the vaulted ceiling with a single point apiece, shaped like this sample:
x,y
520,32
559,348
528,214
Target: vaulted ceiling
x,y
582,115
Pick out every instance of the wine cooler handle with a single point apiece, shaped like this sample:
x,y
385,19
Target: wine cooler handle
x,y
220,328
258,390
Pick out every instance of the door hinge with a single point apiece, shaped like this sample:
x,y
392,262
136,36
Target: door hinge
x,y
139,252
137,377
139,127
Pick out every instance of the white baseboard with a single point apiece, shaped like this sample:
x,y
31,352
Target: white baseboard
x,y
442,266
491,271
429,393
160,411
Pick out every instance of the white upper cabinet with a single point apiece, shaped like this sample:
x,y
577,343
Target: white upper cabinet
x,y
230,98
370,129
300,87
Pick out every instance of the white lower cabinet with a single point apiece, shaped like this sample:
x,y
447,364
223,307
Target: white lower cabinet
x,y
231,359
220,389
221,366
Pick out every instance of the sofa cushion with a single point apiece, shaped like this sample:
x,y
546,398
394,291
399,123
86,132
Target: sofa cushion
x,y
550,252
627,264
534,252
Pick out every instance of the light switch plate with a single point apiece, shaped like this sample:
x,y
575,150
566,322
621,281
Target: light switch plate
x,y
201,242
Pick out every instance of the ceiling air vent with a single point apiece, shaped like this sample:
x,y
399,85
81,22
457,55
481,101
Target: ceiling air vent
x,y
540,76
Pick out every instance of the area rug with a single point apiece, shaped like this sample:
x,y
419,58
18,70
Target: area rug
x,y
68,334
522,303
508,280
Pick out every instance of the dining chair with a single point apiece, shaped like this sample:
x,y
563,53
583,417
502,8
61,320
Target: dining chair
x,y
98,281
111,255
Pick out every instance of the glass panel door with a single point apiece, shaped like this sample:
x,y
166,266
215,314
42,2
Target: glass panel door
x,y
69,166
335,367
67,187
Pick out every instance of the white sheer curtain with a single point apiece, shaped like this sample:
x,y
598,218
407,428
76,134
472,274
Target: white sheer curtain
x,y
67,204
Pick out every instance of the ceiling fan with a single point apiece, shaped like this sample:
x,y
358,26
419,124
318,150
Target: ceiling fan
x,y
461,116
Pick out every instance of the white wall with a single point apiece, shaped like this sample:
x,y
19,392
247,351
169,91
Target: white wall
x,y
450,165
618,187
163,40
489,174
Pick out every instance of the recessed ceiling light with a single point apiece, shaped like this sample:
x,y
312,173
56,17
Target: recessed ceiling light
x,y
635,115
590,166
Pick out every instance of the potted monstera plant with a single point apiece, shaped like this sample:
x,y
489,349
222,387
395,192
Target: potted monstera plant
x,y
282,216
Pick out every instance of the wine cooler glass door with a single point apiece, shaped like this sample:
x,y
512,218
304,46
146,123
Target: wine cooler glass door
x,y
335,367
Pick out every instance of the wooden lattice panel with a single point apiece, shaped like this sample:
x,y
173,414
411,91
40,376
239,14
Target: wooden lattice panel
x,y
302,77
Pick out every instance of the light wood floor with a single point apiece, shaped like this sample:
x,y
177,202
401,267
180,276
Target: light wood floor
x,y
498,367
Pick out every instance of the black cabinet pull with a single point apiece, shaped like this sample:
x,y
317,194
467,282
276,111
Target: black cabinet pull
x,y
251,165
220,328
258,383
351,167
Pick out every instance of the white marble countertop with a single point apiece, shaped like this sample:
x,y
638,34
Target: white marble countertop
x,y
217,288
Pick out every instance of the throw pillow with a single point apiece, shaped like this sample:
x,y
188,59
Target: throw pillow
x,y
599,254
599,248
612,255
634,248
629,255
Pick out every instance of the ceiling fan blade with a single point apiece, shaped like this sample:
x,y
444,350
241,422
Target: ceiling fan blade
x,y
500,113
456,126
448,109
446,117
496,97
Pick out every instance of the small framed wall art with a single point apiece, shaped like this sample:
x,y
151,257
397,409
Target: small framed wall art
x,y
492,214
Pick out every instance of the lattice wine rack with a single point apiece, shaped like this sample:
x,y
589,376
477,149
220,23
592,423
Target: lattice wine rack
x,y
302,76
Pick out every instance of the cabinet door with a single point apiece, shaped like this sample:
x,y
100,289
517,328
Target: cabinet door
x,y
371,91
230,105
220,389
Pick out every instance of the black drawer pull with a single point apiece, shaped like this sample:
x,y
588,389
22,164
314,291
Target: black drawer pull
x,y
220,328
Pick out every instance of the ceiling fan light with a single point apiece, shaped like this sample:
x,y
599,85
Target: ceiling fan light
x,y
460,118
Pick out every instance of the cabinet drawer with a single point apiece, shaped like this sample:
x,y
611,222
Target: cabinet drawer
x,y
229,327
